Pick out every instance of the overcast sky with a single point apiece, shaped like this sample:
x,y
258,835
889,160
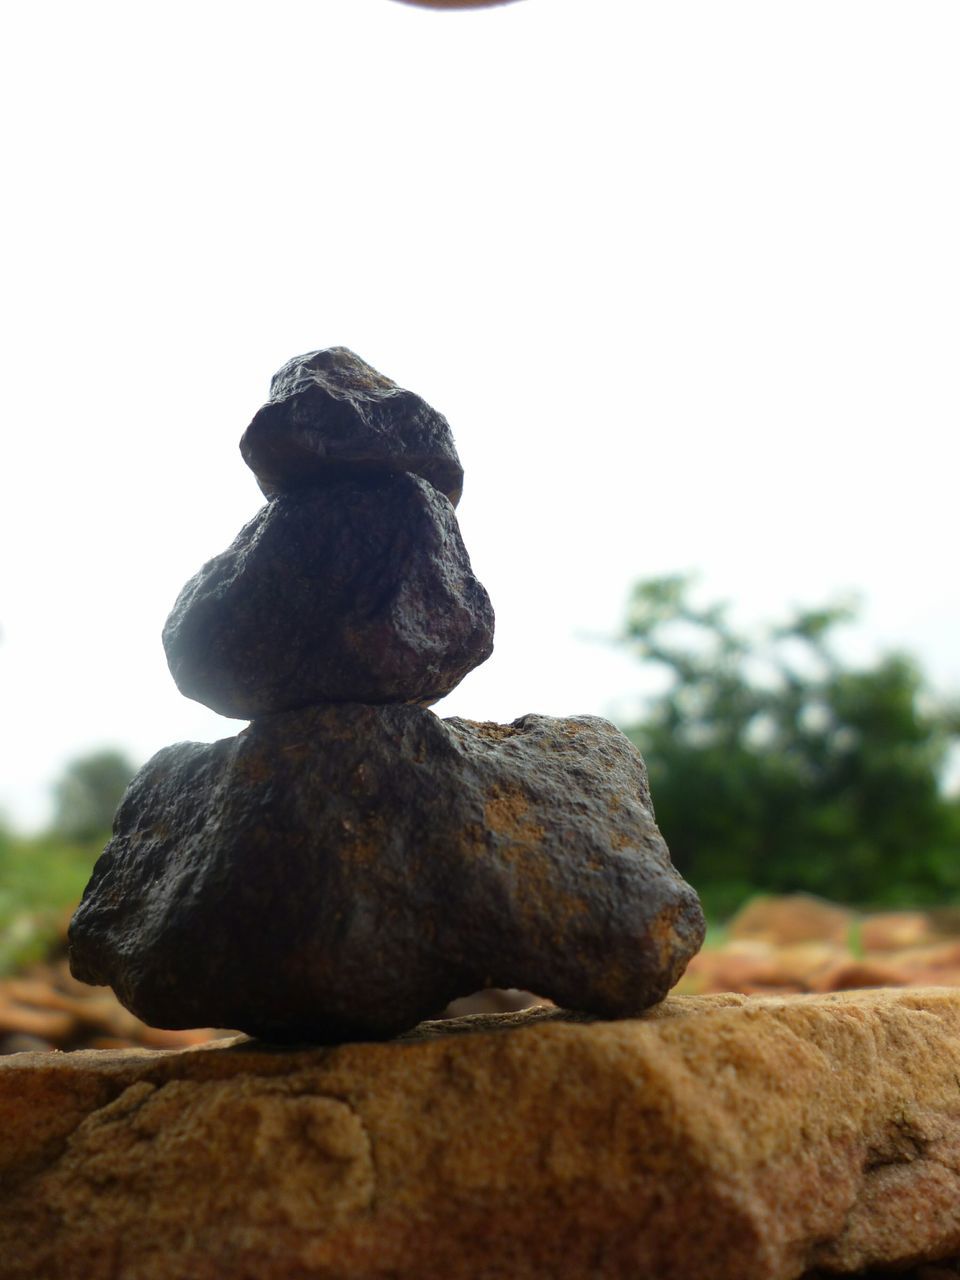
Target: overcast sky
x,y
683,277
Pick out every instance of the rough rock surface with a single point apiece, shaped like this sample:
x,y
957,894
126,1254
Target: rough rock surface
x,y
331,410
359,590
347,871
719,1138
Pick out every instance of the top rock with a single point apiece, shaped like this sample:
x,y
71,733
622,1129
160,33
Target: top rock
x,y
331,409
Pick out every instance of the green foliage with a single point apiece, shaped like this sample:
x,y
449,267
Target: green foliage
x,y
87,795
41,880
775,767
43,877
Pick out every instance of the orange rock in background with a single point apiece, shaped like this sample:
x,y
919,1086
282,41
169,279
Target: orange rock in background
x,y
753,966
801,962
49,1009
43,1024
937,965
851,974
798,943
894,930
725,968
796,917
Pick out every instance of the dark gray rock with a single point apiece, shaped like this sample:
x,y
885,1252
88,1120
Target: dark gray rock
x,y
331,410
356,590
348,871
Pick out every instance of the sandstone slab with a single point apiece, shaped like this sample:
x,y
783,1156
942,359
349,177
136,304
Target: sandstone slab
x,y
347,871
357,590
722,1138
330,411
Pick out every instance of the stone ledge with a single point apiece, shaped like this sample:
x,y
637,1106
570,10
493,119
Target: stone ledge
x,y
716,1137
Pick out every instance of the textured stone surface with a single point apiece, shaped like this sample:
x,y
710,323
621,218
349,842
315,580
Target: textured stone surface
x,y
359,590
718,1138
330,410
348,871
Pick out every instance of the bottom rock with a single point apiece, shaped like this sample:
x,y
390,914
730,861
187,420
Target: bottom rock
x,y
716,1137
345,872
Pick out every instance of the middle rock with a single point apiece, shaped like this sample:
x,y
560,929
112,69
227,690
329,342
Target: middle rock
x,y
357,590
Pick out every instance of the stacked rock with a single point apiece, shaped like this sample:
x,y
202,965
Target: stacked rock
x,y
350,863
352,584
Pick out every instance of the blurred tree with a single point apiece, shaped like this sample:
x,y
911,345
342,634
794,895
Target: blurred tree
x,y
775,767
87,795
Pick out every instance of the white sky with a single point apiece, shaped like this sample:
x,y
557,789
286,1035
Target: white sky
x,y
684,277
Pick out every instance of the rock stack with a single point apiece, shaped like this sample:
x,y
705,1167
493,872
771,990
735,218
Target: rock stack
x,y
350,863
